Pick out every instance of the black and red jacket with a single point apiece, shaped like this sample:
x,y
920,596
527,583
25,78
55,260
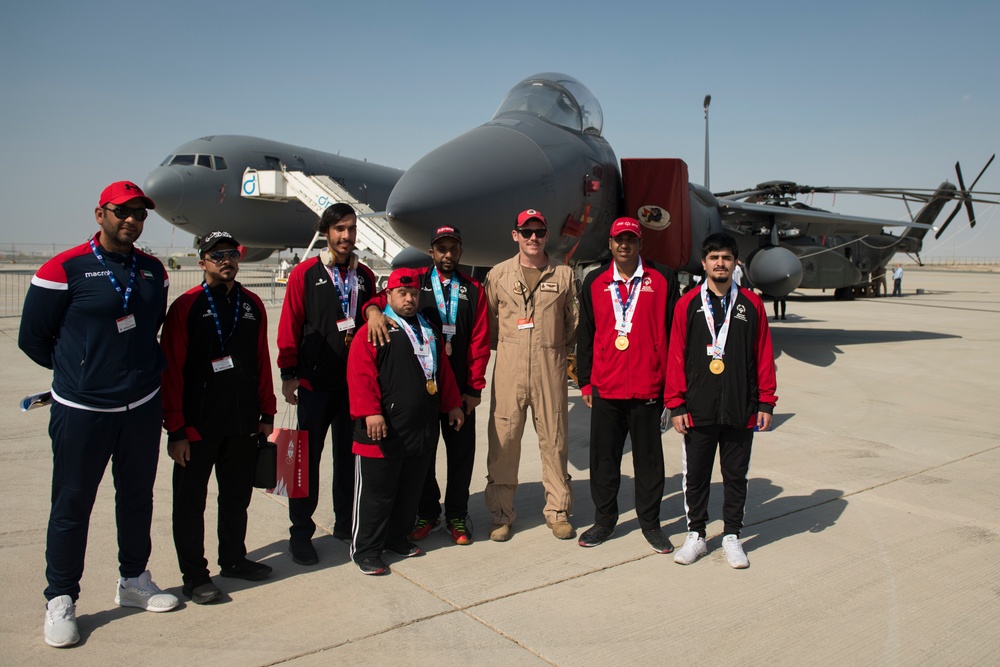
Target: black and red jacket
x,y
310,347
471,342
746,386
199,403
389,381
640,370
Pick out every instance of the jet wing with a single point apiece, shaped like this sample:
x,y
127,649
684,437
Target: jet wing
x,y
745,218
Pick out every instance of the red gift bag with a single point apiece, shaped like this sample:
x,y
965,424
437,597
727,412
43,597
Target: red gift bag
x,y
293,462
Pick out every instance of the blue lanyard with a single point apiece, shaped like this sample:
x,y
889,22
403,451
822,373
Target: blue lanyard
x,y
215,314
348,293
422,332
114,281
449,311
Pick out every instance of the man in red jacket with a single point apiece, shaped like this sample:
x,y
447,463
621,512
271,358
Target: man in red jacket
x,y
397,392
720,386
625,312
455,304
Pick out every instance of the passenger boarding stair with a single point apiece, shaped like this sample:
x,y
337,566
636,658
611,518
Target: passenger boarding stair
x,y
375,237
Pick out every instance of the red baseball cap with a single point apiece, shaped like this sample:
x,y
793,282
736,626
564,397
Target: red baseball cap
x,y
404,278
530,214
626,226
123,191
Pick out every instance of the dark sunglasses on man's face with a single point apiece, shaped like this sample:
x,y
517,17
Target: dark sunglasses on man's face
x,y
220,255
123,213
526,233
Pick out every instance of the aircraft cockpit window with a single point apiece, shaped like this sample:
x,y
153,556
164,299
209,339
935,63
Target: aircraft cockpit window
x,y
166,161
220,163
205,161
557,98
182,160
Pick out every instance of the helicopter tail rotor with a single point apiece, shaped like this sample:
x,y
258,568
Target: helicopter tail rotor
x,y
965,197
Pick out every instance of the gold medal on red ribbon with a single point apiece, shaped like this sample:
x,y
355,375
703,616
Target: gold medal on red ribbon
x,y
432,387
716,366
621,342
447,348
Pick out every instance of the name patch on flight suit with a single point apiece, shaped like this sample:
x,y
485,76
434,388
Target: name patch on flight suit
x,y
549,287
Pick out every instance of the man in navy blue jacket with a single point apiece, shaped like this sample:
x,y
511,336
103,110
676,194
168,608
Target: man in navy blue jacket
x,y
91,315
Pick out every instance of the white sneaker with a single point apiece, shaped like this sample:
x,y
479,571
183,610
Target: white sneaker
x,y
734,552
141,592
60,622
693,549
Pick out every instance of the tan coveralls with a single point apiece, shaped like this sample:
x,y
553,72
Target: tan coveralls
x,y
530,371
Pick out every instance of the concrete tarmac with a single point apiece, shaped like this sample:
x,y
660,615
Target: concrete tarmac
x,y
872,528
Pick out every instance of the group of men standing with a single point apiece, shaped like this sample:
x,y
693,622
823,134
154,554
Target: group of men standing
x,y
385,373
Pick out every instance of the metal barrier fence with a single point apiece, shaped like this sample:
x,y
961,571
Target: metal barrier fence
x,y
263,282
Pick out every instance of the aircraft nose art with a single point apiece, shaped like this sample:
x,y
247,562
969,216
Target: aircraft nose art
x,y
165,187
478,182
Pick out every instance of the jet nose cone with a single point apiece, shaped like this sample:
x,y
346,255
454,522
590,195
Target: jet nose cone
x,y
165,187
477,182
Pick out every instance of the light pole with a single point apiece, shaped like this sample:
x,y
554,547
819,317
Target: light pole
x,y
708,100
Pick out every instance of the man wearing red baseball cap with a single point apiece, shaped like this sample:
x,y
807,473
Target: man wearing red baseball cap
x,y
455,305
626,308
532,306
397,392
91,315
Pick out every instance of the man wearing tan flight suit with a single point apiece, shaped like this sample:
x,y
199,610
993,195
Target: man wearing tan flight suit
x,y
533,310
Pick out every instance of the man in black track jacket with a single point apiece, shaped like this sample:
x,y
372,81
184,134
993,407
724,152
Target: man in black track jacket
x,y
217,397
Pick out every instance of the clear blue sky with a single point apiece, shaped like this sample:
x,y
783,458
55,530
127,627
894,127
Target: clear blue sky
x,y
850,93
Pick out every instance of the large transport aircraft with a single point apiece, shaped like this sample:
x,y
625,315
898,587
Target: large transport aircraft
x,y
543,149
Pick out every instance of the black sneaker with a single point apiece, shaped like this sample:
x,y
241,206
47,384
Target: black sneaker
x,y
406,550
303,552
202,592
247,569
658,541
596,534
373,565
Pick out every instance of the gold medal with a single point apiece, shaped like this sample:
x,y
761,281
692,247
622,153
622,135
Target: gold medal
x,y
621,342
432,387
447,348
716,366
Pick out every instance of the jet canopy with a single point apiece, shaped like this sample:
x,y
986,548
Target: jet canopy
x,y
558,98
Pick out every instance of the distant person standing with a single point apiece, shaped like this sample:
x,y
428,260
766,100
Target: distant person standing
x,y
320,315
625,313
217,399
295,259
720,386
397,391
779,305
897,281
533,310
456,305
91,315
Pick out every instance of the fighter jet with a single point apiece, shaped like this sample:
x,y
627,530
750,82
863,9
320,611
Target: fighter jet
x,y
543,149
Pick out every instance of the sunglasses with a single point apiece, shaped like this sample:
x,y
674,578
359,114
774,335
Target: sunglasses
x,y
526,233
218,256
123,213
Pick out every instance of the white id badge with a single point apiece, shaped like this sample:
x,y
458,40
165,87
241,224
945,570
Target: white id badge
x,y
709,350
125,323
448,329
423,350
623,327
223,364
345,325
